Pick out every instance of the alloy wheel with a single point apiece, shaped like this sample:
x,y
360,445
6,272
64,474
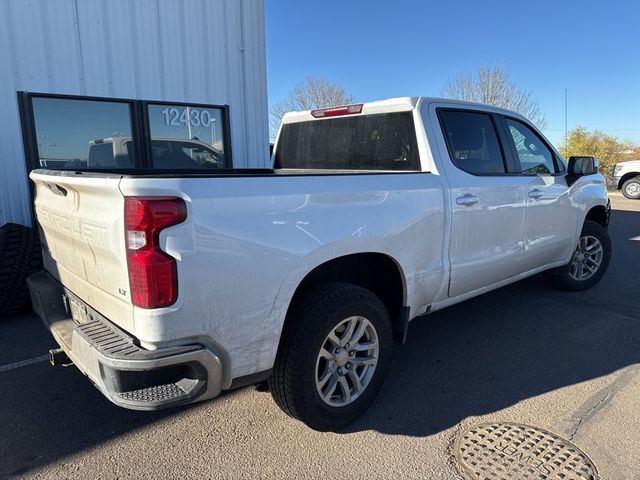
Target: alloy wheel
x,y
347,361
586,259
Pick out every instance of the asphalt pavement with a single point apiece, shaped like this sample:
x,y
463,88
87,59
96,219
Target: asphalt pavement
x,y
564,362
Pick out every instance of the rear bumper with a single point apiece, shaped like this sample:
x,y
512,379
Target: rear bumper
x,y
125,373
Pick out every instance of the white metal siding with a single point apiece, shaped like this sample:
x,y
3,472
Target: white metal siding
x,y
202,51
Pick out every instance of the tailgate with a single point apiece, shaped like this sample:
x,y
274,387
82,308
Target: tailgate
x,y
81,220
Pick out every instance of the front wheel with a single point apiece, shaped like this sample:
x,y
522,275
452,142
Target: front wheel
x,y
332,357
631,188
589,262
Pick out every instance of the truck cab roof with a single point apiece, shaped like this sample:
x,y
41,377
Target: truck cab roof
x,y
397,104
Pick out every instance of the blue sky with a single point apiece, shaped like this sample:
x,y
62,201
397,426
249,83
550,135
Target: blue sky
x,y
380,49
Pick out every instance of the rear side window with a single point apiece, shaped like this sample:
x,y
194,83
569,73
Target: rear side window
x,y
385,141
472,142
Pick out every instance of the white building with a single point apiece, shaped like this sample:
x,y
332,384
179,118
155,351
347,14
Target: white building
x,y
209,53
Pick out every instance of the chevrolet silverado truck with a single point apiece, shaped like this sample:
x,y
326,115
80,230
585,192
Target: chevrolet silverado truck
x,y
167,288
626,177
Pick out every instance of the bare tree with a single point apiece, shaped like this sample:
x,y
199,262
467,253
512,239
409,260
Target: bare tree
x,y
312,93
493,86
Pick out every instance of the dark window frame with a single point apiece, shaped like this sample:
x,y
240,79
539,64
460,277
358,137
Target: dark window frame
x,y
140,129
558,165
510,167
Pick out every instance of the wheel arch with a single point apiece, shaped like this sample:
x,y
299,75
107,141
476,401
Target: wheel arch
x,y
627,176
598,214
377,272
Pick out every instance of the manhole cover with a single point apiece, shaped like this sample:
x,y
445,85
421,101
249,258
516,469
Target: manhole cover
x,y
510,451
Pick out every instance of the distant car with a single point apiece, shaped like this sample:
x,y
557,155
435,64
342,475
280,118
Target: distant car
x,y
626,177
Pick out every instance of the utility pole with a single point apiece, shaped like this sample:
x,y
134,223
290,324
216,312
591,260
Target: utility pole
x,y
566,131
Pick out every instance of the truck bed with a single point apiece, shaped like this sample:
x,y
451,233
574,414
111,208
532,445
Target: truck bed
x,y
249,238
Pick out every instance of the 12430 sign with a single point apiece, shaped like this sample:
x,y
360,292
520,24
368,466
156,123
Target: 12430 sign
x,y
197,117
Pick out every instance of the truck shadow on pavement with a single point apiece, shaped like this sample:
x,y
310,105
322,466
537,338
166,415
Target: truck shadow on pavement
x,y
47,413
471,359
493,351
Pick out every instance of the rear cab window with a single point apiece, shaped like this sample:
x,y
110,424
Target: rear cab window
x,y
384,141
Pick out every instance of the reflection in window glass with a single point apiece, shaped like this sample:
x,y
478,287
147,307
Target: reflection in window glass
x,y
186,137
77,134
534,156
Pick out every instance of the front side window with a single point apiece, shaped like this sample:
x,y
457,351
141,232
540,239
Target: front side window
x,y
186,137
534,156
76,134
472,142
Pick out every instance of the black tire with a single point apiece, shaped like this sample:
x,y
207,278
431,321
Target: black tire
x,y
20,256
560,277
630,186
293,380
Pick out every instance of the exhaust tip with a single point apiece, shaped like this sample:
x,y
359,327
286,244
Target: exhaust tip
x,y
58,356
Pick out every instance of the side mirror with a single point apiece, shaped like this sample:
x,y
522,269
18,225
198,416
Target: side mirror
x,y
581,166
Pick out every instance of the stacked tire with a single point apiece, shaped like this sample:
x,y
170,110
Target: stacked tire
x,y
20,256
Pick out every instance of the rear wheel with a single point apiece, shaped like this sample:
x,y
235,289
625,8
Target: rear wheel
x,y
333,358
589,262
631,188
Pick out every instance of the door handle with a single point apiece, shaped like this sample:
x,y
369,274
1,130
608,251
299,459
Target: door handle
x,y
467,200
536,193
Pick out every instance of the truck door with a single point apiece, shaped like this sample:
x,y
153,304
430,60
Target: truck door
x,y
487,202
551,218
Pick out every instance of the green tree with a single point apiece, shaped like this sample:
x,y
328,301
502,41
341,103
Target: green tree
x,y
609,149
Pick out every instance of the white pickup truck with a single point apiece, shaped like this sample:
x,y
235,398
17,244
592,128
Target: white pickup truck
x,y
167,289
626,177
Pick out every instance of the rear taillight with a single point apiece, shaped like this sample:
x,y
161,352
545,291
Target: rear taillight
x,y
153,274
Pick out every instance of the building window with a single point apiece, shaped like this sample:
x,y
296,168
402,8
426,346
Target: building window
x,y
80,134
86,133
186,137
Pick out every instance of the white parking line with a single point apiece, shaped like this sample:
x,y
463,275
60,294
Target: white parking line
x,y
23,363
